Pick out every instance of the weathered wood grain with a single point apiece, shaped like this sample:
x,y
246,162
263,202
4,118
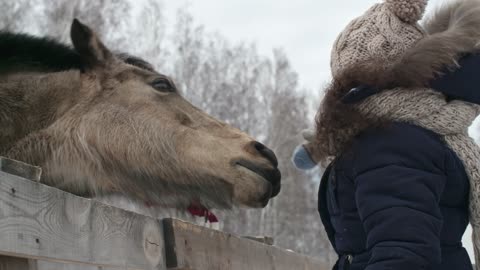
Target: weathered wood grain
x,y
21,169
44,265
193,247
41,222
53,230
262,239
12,263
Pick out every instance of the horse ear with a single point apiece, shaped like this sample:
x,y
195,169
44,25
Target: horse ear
x,y
88,45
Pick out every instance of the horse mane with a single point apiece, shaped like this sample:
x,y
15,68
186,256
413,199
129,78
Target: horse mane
x,y
38,53
135,61
27,52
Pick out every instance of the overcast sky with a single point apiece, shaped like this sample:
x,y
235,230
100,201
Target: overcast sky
x,y
305,29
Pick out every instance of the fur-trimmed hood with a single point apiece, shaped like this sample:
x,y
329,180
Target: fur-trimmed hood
x,y
452,32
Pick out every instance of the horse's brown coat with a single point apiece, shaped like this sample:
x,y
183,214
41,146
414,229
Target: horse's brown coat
x,y
106,129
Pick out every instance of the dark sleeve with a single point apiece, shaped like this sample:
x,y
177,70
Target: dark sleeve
x,y
398,187
461,83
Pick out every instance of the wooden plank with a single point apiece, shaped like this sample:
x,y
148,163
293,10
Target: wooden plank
x,y
262,239
12,263
189,246
21,169
41,222
44,265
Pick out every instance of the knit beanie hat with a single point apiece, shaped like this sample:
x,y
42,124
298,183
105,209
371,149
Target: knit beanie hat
x,y
384,33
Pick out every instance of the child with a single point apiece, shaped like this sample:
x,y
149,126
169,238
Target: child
x,y
403,176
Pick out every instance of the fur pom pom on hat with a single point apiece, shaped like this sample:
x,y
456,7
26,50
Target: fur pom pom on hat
x,y
409,11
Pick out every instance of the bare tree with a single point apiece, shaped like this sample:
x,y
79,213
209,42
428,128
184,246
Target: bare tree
x,y
18,15
226,80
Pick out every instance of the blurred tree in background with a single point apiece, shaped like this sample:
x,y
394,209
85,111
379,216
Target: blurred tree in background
x,y
258,94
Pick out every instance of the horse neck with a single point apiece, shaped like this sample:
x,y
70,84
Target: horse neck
x,y
30,102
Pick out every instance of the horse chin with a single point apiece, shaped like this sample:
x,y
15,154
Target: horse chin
x,y
262,203
252,190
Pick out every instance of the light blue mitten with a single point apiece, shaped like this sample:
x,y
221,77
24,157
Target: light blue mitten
x,y
302,160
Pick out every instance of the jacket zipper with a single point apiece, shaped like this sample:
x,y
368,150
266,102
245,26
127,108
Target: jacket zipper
x,y
348,262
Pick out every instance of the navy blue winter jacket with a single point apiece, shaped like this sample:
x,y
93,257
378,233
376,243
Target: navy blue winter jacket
x,y
397,199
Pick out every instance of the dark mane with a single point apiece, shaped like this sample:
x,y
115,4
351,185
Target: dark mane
x,y
22,51
26,52
135,61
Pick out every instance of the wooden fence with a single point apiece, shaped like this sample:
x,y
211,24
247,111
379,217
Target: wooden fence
x,y
43,228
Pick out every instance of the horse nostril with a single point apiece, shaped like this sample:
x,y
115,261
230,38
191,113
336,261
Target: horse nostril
x,y
266,153
259,146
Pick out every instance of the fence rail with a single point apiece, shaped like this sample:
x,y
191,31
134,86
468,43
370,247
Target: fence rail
x,y
43,228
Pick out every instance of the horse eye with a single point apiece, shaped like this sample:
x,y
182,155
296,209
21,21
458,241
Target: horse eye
x,y
163,85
